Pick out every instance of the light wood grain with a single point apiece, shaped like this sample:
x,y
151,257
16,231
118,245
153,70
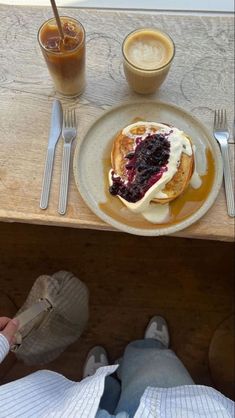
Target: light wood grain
x,y
200,81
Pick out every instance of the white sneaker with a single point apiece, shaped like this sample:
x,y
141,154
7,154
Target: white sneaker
x,y
158,330
96,358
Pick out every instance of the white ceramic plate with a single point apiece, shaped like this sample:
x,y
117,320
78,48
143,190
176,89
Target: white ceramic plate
x,y
95,146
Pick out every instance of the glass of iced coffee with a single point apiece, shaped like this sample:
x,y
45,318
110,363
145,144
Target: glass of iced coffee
x,y
65,58
147,57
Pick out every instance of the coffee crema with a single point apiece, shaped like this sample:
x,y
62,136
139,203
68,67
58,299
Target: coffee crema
x,y
148,49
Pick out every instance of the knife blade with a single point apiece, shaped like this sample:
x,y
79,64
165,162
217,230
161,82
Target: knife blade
x,y
55,132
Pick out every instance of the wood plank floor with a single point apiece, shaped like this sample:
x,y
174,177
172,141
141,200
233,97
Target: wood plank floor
x,y
130,278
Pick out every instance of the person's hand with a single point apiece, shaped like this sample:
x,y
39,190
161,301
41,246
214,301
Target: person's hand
x,y
8,328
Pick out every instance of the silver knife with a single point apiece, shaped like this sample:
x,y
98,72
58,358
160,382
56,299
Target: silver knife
x,y
55,132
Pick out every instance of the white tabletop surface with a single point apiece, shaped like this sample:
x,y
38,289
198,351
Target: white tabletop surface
x,y
184,5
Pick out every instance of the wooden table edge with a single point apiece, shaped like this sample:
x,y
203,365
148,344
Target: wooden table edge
x,y
98,225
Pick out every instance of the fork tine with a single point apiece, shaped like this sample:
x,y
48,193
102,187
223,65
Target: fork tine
x,y
219,118
225,119
65,119
71,118
215,118
74,119
222,118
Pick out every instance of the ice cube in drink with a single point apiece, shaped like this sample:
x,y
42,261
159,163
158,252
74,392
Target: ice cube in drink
x,y
65,58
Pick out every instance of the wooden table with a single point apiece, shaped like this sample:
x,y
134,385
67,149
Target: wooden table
x,y
200,81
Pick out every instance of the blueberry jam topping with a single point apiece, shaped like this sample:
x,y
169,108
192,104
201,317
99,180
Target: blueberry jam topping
x,y
145,166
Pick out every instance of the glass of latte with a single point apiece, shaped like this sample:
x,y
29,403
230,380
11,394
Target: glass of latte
x,y
147,57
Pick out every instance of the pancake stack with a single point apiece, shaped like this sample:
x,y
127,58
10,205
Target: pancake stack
x,y
143,156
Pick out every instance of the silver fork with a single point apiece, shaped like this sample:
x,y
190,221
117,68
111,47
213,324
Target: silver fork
x,y
69,133
221,133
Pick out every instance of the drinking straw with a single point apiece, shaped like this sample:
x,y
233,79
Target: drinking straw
x,y
57,17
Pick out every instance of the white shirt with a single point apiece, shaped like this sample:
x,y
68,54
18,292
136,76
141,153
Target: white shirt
x,y
47,394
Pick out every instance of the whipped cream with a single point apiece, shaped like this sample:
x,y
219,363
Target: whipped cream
x,y
157,213
196,180
179,144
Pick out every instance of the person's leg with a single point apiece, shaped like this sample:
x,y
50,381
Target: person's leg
x,y
111,395
149,362
97,357
101,413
